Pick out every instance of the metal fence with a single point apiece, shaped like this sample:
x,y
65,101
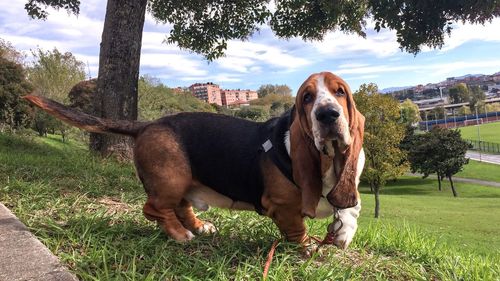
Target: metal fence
x,y
484,146
460,121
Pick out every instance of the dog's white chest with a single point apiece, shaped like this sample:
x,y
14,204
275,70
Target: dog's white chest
x,y
324,208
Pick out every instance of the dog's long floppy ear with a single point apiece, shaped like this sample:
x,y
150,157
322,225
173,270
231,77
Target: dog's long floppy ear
x,y
306,165
345,193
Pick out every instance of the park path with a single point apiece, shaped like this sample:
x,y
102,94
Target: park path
x,y
466,180
23,257
488,158
476,181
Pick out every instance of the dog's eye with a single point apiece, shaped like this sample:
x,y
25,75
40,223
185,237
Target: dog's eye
x,y
340,92
308,98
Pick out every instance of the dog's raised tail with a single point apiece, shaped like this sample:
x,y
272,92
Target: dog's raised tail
x,y
83,120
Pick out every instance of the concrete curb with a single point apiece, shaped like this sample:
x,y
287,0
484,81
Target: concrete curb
x,y
23,256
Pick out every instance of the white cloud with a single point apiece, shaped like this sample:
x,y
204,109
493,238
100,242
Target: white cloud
x,y
245,52
178,63
338,44
362,77
238,64
437,68
218,78
352,65
155,41
463,33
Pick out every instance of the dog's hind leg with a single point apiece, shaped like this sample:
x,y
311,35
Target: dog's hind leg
x,y
188,218
168,221
166,175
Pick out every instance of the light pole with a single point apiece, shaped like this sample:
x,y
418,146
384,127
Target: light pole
x,y
426,123
478,134
485,113
445,121
454,118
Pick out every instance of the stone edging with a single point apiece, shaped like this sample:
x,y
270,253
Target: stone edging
x,y
23,256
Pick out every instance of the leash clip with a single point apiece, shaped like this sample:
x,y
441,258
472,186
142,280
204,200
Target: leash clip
x,y
331,231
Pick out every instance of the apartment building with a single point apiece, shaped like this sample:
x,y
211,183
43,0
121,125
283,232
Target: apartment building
x,y
212,93
208,92
238,97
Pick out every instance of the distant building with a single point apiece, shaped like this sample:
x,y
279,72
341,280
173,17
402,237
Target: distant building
x,y
207,92
212,93
178,90
238,97
496,77
431,102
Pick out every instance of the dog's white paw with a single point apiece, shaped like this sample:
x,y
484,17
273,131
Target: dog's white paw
x,y
206,228
184,237
345,234
189,235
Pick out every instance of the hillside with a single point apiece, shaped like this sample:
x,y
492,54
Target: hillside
x,y
432,90
88,212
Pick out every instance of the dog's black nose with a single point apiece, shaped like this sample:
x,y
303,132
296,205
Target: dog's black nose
x,y
327,115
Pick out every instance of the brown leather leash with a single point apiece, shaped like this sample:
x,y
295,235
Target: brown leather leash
x,y
328,240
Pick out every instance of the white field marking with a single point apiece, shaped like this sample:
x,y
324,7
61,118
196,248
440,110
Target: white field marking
x,y
324,98
287,141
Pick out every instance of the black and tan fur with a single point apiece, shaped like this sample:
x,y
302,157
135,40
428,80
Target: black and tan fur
x,y
220,160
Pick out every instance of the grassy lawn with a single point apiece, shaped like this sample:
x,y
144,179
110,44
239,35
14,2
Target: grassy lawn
x,y
481,170
489,132
88,212
464,222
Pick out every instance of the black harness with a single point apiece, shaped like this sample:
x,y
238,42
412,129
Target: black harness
x,y
275,147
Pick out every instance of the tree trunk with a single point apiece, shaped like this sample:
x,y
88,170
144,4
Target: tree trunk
x,y
377,201
439,181
118,76
452,187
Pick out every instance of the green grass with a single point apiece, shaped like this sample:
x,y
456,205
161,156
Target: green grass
x,y
481,171
88,212
464,223
489,132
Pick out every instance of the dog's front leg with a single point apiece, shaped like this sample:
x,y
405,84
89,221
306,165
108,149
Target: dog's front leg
x,y
291,225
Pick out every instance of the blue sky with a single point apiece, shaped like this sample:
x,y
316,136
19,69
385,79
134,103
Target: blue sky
x,y
264,59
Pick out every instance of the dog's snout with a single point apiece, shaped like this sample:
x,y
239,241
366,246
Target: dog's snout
x,y
327,115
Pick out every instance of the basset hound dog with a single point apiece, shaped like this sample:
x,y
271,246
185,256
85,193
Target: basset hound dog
x,y
306,163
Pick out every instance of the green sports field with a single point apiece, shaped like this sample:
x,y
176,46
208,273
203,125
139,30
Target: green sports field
x,y
489,132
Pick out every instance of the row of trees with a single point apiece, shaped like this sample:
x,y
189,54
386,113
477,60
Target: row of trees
x,y
268,89
392,147
461,93
50,74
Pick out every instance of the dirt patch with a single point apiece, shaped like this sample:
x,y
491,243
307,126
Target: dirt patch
x,y
114,206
